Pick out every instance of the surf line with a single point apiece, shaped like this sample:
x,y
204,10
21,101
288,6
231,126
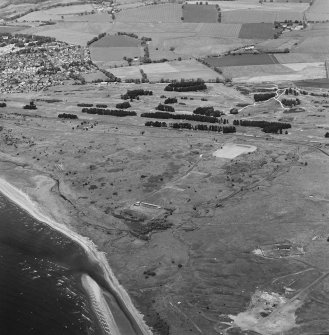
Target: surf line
x,y
98,301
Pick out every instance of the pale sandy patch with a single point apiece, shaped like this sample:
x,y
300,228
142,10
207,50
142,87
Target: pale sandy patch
x,y
233,150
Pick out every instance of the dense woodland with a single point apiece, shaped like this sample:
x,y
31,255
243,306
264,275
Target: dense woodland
x,y
290,102
264,96
170,101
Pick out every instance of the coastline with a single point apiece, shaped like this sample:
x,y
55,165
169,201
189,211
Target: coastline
x,y
24,201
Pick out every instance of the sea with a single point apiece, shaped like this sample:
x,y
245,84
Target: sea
x,y
40,279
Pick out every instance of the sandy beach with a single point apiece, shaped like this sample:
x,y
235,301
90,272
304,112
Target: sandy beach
x,y
101,309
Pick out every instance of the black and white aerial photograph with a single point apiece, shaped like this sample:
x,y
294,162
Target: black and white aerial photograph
x,y
164,167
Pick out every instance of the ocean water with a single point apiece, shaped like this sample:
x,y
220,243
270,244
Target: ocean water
x,y
40,279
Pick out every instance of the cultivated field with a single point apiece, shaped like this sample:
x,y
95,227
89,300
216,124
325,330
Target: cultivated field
x,y
276,72
151,13
113,41
260,16
55,14
300,57
11,29
242,60
257,31
106,57
200,13
188,69
319,11
315,45
78,33
279,44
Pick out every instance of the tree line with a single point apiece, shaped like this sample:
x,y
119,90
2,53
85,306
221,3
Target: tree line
x,y
165,108
186,86
208,111
67,116
170,101
267,127
123,105
3,104
189,117
112,112
82,104
96,38
185,125
133,94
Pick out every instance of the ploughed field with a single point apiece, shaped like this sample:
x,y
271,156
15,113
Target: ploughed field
x,y
242,60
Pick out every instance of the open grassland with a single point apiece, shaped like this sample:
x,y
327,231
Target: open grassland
x,y
113,41
152,13
319,11
200,13
214,258
257,31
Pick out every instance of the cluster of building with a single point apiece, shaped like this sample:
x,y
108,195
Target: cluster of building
x,y
36,67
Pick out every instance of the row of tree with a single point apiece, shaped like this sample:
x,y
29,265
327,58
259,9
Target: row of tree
x,y
208,111
67,116
170,101
3,104
189,117
82,104
264,96
123,105
112,112
186,86
185,125
96,38
165,108
267,126
133,94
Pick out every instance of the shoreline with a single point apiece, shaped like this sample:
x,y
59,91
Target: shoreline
x,y
24,202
